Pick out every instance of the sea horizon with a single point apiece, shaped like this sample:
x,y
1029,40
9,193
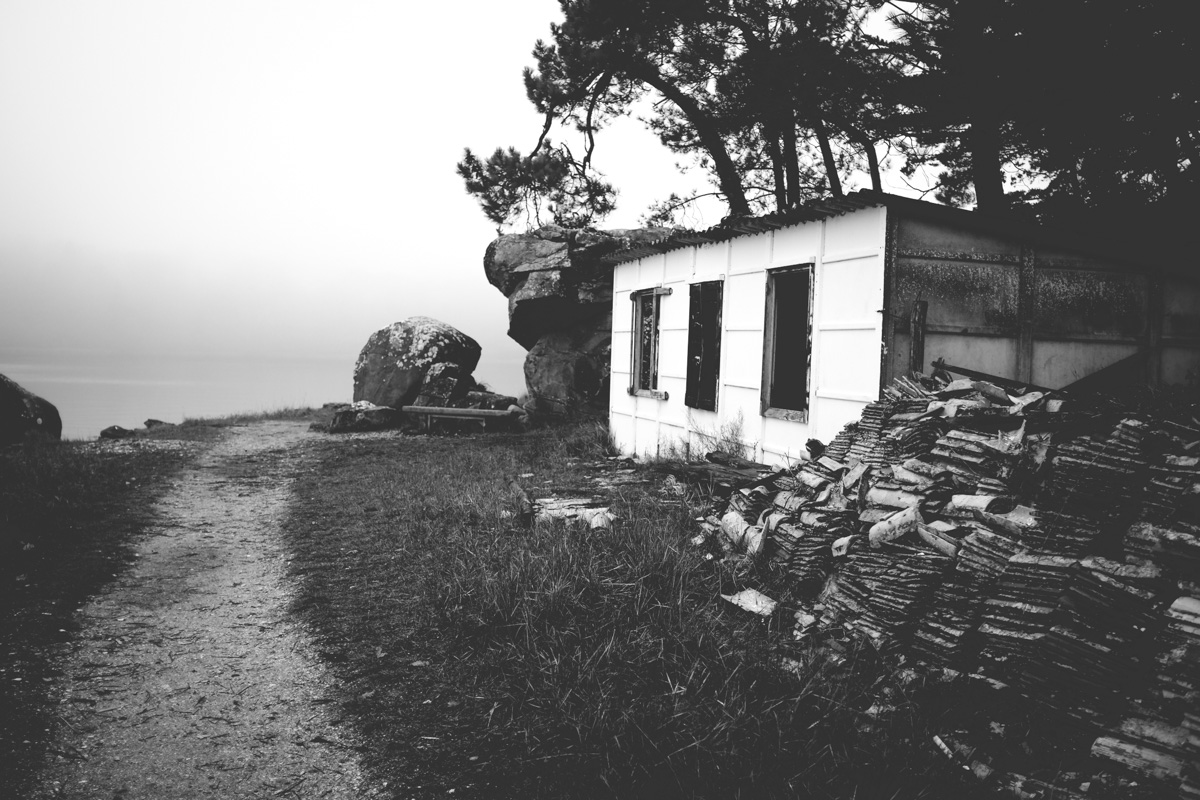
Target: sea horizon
x,y
93,390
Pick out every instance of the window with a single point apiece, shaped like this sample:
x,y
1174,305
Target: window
x,y
644,369
787,344
704,345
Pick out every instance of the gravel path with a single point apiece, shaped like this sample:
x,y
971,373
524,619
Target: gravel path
x,y
188,680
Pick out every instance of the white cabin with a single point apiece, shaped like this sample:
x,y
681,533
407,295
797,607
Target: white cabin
x,y
781,329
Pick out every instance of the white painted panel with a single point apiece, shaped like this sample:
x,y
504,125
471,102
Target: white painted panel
x,y
742,365
849,363
621,426
622,315
784,440
622,342
625,277
854,232
672,354
741,411
678,265
851,291
672,440
798,244
745,301
830,416
645,437
712,260
620,401
650,271
672,409
749,253
673,308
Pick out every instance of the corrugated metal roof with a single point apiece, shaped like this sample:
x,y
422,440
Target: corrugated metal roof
x,y
1098,242
745,226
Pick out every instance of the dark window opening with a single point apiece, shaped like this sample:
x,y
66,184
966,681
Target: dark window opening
x,y
704,345
788,341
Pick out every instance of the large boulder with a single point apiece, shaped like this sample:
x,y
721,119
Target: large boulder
x,y
394,362
560,309
24,414
568,372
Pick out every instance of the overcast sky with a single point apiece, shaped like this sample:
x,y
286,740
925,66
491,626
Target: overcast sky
x,y
256,177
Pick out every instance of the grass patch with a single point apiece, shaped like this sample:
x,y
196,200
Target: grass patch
x,y
69,512
555,661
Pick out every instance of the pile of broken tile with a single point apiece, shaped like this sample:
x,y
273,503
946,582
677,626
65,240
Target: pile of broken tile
x,y
1010,536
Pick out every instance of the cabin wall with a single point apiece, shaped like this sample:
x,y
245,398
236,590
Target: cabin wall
x,y
1039,314
847,253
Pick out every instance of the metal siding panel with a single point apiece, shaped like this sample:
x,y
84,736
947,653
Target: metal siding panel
x,y
1088,303
625,277
798,244
678,265
744,366
854,231
621,426
672,410
850,291
673,308
849,363
646,437
672,440
672,355
749,253
1181,309
1180,366
992,354
1056,364
650,271
745,296
619,398
740,409
712,259
961,294
784,440
942,240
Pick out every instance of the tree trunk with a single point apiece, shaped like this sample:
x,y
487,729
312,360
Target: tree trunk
x,y
868,146
984,140
728,177
770,137
792,161
831,173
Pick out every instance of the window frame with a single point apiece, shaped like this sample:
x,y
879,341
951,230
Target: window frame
x,y
770,344
703,391
636,354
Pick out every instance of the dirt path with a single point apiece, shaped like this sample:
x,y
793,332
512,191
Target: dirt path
x,y
188,680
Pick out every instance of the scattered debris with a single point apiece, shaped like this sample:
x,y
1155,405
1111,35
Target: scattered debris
x,y
752,600
1017,537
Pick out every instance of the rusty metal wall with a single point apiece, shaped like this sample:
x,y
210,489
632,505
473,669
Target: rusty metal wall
x,y
1024,310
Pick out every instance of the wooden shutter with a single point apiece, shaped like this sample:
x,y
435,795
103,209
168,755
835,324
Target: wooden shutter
x,y
704,345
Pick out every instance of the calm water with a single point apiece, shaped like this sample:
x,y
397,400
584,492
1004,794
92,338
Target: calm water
x,y
93,391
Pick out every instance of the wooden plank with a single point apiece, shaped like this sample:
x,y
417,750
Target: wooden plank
x,y
916,358
469,413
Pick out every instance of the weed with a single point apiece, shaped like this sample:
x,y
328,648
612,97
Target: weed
x,y
582,663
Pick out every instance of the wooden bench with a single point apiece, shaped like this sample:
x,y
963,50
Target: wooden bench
x,y
481,415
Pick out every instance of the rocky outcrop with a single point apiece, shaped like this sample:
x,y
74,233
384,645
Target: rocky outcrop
x,y
23,414
560,309
395,361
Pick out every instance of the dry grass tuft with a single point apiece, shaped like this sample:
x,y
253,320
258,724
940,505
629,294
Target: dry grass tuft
x,y
579,663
